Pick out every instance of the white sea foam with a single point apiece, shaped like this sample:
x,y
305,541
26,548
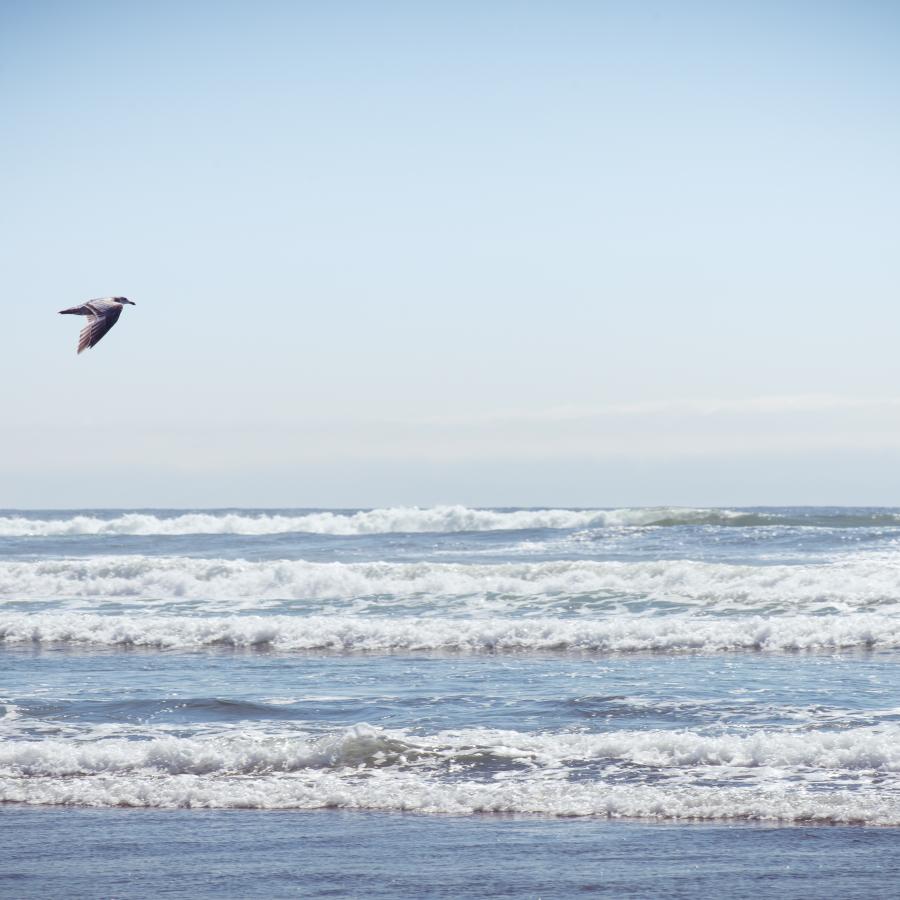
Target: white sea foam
x,y
851,584
375,521
253,751
244,753
848,776
415,793
348,633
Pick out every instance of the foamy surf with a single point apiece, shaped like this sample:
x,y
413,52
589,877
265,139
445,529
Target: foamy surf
x,y
375,521
769,776
412,793
409,520
859,582
254,751
381,634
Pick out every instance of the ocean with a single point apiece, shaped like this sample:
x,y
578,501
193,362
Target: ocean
x,y
450,702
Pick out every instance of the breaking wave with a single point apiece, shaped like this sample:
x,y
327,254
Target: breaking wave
x,y
347,633
254,751
410,792
857,583
440,519
844,776
375,521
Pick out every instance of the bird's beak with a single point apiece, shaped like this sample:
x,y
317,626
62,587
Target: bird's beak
x,y
132,302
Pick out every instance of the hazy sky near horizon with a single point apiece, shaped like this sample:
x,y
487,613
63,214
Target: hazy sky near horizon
x,y
491,253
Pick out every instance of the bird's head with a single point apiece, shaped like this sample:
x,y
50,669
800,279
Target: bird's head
x,y
124,300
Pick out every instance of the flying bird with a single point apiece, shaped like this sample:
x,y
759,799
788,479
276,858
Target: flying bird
x,y
103,314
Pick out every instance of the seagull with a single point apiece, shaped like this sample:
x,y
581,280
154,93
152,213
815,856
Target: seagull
x,y
104,313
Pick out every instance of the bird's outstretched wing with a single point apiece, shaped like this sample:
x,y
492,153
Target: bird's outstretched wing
x,y
97,325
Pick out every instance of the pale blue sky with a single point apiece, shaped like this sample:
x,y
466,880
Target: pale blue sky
x,y
489,253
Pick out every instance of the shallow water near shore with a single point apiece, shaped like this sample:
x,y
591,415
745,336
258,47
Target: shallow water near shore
x,y
139,853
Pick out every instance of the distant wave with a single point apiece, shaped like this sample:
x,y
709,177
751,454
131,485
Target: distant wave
x,y
247,584
769,776
376,521
440,519
339,633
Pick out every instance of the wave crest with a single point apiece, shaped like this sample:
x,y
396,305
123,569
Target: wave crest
x,y
336,633
784,588
255,752
439,519
768,776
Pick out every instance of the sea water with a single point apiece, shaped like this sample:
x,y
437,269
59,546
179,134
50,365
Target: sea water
x,y
514,678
